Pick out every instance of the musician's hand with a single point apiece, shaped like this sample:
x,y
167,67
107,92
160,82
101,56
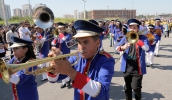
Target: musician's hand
x,y
63,67
56,50
126,46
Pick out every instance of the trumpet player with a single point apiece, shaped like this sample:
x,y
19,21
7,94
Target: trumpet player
x,y
158,26
92,75
133,63
23,85
150,53
60,44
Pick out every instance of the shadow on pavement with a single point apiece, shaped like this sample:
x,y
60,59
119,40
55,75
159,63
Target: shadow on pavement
x,y
168,67
117,93
151,96
118,74
165,56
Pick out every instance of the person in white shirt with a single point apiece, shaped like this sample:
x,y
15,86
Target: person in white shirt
x,y
24,32
9,36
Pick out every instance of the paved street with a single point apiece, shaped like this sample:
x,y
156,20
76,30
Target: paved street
x,y
157,83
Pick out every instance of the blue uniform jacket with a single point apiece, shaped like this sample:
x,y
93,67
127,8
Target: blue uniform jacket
x,y
141,55
117,33
159,27
111,28
61,44
45,48
101,70
24,86
153,45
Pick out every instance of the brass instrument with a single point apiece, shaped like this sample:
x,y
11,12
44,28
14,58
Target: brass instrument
x,y
44,18
158,31
150,37
132,37
7,70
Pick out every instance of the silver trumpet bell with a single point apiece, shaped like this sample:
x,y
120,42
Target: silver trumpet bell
x,y
43,17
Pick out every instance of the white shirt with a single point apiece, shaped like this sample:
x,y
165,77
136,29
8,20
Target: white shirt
x,y
22,33
9,34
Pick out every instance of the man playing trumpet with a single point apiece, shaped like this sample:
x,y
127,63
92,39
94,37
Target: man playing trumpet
x,y
91,76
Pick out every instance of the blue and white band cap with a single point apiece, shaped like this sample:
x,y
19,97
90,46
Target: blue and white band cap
x,y
17,45
83,33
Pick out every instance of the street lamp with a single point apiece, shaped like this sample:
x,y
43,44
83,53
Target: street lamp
x,y
29,8
108,10
84,9
132,10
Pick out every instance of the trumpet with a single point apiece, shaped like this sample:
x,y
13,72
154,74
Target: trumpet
x,y
7,70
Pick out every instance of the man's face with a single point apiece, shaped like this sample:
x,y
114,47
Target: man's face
x,y
88,46
100,24
151,30
23,24
157,22
61,30
134,28
143,23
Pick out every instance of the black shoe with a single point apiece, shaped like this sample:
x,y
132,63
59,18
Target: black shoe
x,y
151,66
44,80
110,46
68,83
147,65
63,86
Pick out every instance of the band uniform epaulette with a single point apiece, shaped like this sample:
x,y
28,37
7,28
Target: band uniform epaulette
x,y
105,53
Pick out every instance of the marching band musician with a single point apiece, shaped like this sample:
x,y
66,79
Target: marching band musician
x,y
143,26
158,26
60,44
150,53
44,50
124,32
23,85
102,34
133,63
117,33
111,29
93,73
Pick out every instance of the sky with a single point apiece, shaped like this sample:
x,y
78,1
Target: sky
x,y
61,7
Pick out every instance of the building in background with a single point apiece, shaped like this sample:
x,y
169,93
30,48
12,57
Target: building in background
x,y
99,14
17,12
75,14
8,11
68,16
27,10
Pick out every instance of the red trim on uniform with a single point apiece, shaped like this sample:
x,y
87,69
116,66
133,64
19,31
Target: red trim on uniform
x,y
0,75
51,74
138,60
14,88
119,49
80,80
151,42
82,95
140,43
106,54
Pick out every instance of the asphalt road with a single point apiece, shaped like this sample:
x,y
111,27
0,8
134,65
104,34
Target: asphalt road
x,y
157,83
